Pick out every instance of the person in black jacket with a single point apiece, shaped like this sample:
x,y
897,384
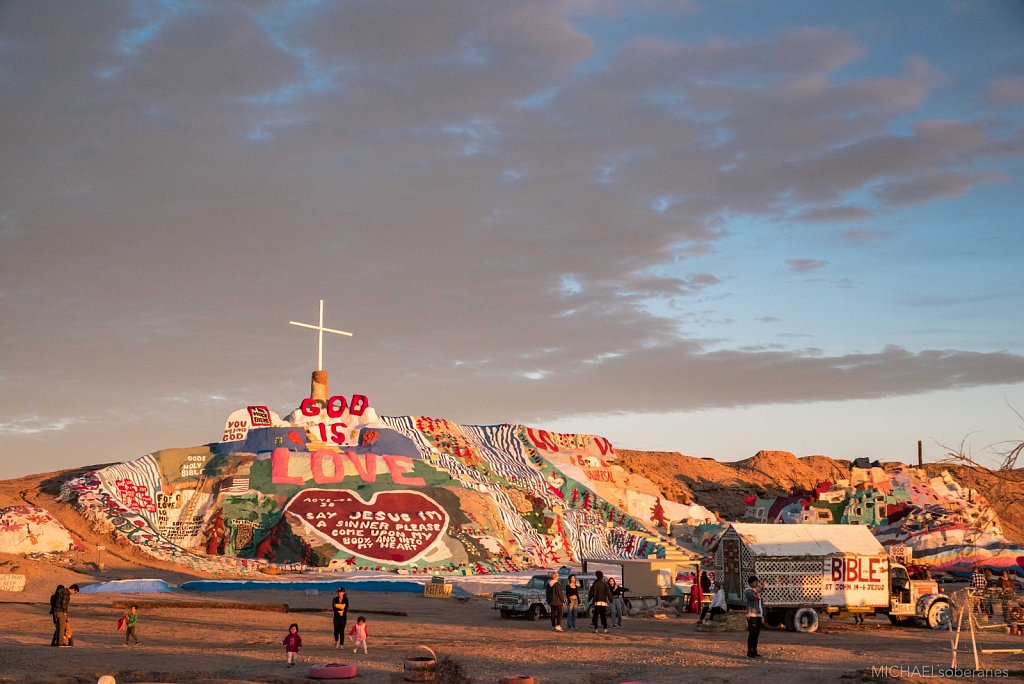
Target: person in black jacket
x,y
600,595
556,601
60,601
340,608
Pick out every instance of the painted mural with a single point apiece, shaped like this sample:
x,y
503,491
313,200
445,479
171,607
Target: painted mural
x,y
30,529
947,527
336,486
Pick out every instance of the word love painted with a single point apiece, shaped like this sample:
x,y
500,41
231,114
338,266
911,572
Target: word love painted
x,y
325,466
392,527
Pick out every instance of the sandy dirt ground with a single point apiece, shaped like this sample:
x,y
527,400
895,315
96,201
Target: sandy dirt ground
x,y
194,643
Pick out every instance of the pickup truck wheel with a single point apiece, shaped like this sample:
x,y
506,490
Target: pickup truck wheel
x,y
805,619
938,615
506,613
534,613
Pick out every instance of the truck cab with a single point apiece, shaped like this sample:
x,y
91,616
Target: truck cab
x,y
912,599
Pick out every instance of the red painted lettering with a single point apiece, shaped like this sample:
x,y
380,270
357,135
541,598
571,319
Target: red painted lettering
x,y
310,407
837,569
542,439
336,406
358,405
398,466
873,574
603,445
279,468
368,468
852,569
316,464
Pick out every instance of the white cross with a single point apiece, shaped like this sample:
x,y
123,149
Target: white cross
x,y
320,330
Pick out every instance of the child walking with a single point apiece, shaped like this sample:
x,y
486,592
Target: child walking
x,y
358,634
292,644
129,625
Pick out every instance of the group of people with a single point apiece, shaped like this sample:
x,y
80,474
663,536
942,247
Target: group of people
x,y
606,596
339,610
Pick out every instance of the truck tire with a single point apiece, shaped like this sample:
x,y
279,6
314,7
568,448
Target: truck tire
x,y
898,621
534,613
938,615
803,619
806,620
506,613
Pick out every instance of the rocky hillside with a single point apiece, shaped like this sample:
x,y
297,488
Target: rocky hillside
x,y
722,487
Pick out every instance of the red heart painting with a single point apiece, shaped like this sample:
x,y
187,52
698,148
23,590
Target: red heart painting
x,y
392,527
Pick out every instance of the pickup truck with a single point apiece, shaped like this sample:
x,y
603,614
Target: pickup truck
x,y
529,599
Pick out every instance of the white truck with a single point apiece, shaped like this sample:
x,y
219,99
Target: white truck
x,y
810,570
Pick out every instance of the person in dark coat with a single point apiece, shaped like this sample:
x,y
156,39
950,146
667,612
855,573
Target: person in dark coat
x,y
600,595
60,601
755,615
340,609
556,601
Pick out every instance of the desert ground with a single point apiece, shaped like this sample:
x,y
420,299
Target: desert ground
x,y
190,641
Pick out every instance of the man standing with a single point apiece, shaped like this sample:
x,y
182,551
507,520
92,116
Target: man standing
x,y
340,606
755,615
600,595
59,604
556,601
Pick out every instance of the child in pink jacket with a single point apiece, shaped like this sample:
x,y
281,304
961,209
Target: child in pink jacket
x,y
292,644
358,634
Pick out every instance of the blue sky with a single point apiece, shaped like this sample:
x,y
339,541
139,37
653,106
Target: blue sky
x,y
689,226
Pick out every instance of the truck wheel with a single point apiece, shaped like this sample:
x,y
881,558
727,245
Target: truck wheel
x,y
506,613
898,621
804,619
938,615
534,613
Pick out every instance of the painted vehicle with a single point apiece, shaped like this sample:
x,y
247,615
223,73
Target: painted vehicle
x,y
812,570
529,600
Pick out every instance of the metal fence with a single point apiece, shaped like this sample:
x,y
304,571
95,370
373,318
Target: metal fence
x,y
977,614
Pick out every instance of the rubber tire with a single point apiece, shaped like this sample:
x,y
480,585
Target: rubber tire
x,y
805,620
333,671
938,615
787,619
506,613
516,679
534,613
774,618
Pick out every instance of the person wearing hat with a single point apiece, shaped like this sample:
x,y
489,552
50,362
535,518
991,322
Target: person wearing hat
x,y
340,606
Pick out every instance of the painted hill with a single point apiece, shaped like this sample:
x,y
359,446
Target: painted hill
x,y
334,485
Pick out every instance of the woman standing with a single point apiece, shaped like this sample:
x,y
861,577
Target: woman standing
x,y
572,595
618,606
340,606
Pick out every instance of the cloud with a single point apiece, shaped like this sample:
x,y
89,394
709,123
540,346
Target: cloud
x,y
860,236
1008,90
805,265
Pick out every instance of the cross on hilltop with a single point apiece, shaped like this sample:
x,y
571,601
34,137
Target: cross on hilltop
x,y
319,327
